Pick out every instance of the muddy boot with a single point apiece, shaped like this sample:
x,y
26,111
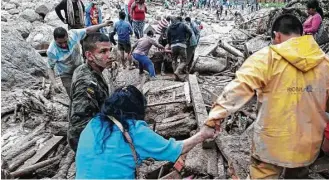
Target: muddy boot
x,y
179,72
163,69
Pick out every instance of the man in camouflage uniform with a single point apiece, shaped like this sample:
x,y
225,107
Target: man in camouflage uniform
x,y
89,88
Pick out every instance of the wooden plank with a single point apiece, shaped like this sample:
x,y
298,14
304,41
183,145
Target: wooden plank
x,y
50,145
200,110
165,103
187,92
200,160
220,166
167,88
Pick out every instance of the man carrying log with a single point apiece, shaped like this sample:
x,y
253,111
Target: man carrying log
x,y
178,36
64,54
89,88
291,81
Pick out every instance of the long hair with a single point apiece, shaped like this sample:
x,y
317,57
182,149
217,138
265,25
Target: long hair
x,y
125,103
314,4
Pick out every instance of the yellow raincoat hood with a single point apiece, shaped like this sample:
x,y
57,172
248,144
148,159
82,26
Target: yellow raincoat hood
x,y
291,81
302,52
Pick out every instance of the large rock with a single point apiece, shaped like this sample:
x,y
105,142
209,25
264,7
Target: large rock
x,y
53,20
30,15
13,11
44,8
20,63
41,35
8,6
24,27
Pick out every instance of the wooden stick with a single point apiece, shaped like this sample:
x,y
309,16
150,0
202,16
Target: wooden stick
x,y
22,159
165,103
21,148
168,88
30,169
62,172
230,49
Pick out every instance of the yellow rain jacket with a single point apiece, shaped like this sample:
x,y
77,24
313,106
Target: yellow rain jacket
x,y
291,80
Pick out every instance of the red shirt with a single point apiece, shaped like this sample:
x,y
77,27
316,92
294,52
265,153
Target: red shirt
x,y
139,14
129,5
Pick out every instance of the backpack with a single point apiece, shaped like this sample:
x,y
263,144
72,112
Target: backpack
x,y
321,37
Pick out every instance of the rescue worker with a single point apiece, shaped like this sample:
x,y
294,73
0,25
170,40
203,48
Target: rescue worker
x,y
64,54
89,89
291,80
178,35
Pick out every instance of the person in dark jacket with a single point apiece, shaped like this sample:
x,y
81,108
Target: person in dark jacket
x,y
74,11
178,36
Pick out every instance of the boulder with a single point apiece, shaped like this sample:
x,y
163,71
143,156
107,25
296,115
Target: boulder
x,y
24,27
9,6
44,8
41,36
30,15
53,20
20,63
16,2
13,11
5,16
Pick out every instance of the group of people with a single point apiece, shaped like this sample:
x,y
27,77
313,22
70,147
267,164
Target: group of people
x,y
108,131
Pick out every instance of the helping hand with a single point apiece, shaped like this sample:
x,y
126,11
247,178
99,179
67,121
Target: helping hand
x,y
208,133
108,23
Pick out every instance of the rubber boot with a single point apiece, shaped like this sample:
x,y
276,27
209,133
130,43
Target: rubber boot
x,y
178,73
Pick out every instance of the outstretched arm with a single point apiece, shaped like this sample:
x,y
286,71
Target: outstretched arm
x,y
251,77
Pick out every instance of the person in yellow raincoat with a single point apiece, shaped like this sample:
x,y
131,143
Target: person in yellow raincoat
x,y
291,81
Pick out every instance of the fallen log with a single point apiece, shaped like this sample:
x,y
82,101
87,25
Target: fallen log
x,y
201,113
58,128
8,110
166,103
21,148
203,161
209,64
31,169
230,48
221,167
49,146
64,167
176,126
21,159
236,150
167,88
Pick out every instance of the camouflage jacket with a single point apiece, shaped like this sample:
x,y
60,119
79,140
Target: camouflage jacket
x,y
88,92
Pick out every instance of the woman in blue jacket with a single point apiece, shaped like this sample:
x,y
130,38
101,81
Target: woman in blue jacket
x,y
104,151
